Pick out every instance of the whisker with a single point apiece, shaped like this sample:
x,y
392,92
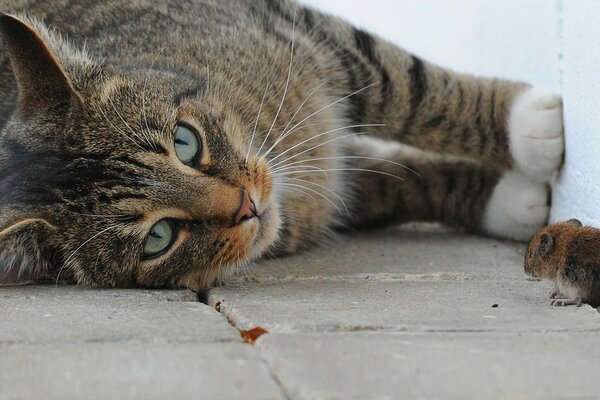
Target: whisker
x,y
285,90
316,192
144,114
297,190
317,146
118,130
115,216
325,188
298,167
275,170
284,134
333,103
347,169
319,135
112,104
262,102
79,248
207,71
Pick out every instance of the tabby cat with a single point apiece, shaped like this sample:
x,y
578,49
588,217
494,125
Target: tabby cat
x,y
167,143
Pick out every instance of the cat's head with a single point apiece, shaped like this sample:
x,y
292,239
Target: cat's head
x,y
118,178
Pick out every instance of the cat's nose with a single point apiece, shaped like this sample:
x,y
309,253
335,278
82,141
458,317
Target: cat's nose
x,y
247,210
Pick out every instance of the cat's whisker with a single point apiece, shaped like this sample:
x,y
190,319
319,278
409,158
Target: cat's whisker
x,y
295,167
317,146
283,133
275,170
304,126
112,104
207,71
118,130
327,189
285,186
144,91
287,83
318,136
332,104
262,102
66,263
316,192
346,169
113,216
133,132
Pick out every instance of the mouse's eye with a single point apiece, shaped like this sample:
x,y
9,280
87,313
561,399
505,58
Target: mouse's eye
x,y
187,144
159,239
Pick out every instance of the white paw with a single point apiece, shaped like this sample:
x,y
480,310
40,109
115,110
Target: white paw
x,y
536,133
517,208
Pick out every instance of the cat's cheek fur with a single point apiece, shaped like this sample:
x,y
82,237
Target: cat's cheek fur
x,y
517,208
536,133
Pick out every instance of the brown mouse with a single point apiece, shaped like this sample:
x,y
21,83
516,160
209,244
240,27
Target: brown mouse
x,y
568,254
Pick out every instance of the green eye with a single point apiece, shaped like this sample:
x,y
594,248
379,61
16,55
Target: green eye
x,y
159,239
187,144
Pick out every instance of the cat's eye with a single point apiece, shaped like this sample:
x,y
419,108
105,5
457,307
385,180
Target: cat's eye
x,y
160,239
187,144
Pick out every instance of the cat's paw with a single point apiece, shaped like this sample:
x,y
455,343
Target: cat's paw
x,y
536,133
518,207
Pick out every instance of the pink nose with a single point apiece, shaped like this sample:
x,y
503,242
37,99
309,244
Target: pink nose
x,y
247,209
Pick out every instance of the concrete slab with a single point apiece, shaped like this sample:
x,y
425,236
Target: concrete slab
x,y
426,314
407,249
400,280
73,343
435,366
402,306
136,370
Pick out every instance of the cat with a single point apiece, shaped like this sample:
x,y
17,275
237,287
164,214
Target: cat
x,y
168,143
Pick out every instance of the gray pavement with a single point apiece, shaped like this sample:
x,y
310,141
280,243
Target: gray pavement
x,y
410,312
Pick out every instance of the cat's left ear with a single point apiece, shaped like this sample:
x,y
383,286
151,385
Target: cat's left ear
x,y
41,79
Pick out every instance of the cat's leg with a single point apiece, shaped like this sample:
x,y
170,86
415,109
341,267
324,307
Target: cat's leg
x,y
505,124
430,186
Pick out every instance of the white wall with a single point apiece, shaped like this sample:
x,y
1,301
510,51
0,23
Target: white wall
x,y
554,43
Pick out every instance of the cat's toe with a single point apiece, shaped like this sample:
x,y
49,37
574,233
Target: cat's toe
x,y
536,133
517,208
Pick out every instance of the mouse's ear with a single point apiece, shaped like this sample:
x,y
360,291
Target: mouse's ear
x,y
546,243
574,222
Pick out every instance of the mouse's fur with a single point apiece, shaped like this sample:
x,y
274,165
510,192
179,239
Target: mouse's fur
x,y
568,254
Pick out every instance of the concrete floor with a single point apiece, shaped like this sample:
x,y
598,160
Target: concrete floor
x,y
404,313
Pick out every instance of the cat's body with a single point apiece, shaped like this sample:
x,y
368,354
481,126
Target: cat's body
x,y
295,112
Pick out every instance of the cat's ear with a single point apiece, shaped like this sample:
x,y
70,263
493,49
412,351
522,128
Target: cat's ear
x,y
41,79
23,251
574,223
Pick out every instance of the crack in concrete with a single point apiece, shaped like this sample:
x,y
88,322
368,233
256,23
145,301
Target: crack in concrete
x,y
35,343
221,308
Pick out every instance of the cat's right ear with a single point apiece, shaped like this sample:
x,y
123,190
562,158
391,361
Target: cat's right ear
x,y
23,251
41,79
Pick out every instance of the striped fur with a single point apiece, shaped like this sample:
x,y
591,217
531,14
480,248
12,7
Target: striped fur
x,y
301,109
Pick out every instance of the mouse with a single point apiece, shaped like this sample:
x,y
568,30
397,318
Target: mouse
x,y
567,253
